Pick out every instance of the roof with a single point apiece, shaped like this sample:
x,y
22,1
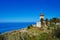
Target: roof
x,y
41,14
57,23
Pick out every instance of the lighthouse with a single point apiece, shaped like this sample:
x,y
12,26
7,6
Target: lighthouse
x,y
41,16
38,24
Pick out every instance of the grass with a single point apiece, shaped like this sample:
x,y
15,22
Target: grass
x,y
32,33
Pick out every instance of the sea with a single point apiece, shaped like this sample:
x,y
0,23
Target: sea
x,y
5,27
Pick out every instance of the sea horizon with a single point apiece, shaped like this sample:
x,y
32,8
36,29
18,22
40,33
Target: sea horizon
x,y
9,26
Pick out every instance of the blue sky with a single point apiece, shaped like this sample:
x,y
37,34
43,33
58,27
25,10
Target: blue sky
x,y
28,10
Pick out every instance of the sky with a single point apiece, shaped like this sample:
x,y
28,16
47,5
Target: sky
x,y
28,10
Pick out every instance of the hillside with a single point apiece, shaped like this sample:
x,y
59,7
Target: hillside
x,y
32,33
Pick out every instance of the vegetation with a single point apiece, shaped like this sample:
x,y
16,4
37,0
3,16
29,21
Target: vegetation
x,y
42,23
56,32
46,21
30,26
55,20
34,33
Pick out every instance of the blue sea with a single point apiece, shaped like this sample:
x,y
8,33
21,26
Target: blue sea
x,y
4,27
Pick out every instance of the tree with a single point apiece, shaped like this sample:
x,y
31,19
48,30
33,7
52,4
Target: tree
x,y
42,23
30,26
55,20
46,21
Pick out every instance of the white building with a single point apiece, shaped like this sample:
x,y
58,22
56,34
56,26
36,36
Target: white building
x,y
38,24
58,23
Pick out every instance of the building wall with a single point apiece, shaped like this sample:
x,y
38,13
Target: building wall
x,y
38,24
41,17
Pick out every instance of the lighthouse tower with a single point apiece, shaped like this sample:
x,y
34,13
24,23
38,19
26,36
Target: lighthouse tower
x,y
38,24
41,16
